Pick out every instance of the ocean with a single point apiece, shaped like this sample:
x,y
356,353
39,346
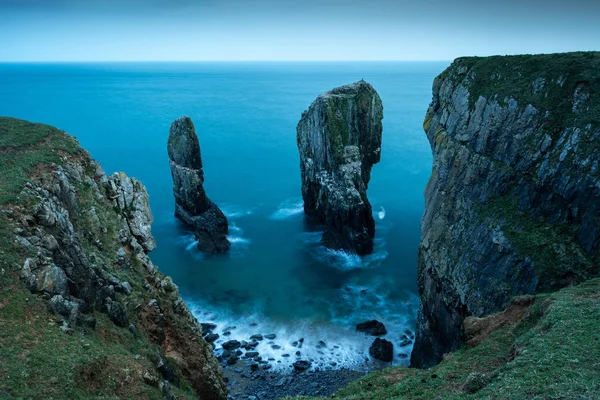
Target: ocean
x,y
276,278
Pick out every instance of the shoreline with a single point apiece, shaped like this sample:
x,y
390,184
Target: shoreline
x,y
243,383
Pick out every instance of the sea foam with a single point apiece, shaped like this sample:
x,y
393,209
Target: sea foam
x,y
288,209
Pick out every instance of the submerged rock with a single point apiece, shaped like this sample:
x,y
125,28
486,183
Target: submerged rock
x,y
372,327
339,140
192,206
302,365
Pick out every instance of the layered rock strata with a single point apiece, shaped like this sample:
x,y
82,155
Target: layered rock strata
x,y
339,140
513,202
192,205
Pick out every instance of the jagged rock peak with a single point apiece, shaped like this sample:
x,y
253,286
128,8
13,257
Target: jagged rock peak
x,y
339,140
186,166
192,205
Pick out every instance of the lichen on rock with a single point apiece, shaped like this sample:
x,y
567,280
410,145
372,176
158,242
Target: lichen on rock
x,y
192,205
339,140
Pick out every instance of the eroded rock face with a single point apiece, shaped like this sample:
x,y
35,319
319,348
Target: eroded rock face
x,y
85,233
513,202
192,206
339,139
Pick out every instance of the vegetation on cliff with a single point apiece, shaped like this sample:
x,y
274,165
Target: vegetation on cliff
x,y
83,311
512,205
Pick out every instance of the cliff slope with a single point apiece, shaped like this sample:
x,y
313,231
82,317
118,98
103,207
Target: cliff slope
x,y
339,139
513,202
83,310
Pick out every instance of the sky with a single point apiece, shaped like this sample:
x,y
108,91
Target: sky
x,y
292,30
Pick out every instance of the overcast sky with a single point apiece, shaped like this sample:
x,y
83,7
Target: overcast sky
x,y
173,30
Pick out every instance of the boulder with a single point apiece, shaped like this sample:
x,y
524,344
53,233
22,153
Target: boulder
x,y
211,337
117,313
372,327
208,327
382,349
301,365
231,344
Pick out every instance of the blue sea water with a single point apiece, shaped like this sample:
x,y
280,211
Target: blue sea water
x,y
277,275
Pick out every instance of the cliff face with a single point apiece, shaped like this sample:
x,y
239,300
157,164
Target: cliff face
x,y
339,139
513,202
192,206
81,241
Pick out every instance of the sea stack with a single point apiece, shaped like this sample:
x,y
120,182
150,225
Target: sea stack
x,y
339,139
192,206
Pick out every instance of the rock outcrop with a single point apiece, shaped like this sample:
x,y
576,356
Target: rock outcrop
x,y
86,238
339,139
513,202
192,206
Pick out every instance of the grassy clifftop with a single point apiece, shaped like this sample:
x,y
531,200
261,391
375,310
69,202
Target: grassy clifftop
x,y
126,334
542,347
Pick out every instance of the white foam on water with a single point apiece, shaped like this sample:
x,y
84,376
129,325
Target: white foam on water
x,y
239,243
344,346
238,239
191,245
381,213
233,211
347,261
188,241
288,209
234,228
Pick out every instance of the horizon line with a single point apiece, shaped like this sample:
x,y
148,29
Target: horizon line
x,y
205,61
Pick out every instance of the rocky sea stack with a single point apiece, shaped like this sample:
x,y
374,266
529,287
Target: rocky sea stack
x,y
192,206
513,202
339,139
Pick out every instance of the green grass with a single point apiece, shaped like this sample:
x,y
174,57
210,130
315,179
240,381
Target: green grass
x,y
37,359
23,145
554,353
505,77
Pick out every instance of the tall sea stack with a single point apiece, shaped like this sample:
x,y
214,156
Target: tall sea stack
x,y
339,139
192,206
513,202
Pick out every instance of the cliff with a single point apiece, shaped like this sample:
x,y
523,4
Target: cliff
x,y
192,205
512,205
339,140
84,311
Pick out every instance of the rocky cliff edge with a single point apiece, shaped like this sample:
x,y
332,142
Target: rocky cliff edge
x,y
84,310
513,202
